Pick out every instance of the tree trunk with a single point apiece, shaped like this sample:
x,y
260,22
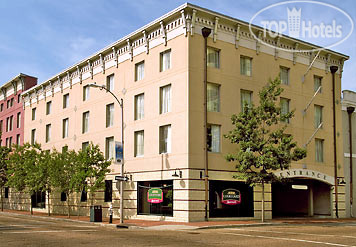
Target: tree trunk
x,y
48,205
68,205
2,200
78,205
263,201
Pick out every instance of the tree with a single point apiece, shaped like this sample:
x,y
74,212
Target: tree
x,y
264,147
91,170
4,153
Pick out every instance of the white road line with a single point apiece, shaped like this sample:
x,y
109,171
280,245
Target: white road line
x,y
50,231
296,233
290,239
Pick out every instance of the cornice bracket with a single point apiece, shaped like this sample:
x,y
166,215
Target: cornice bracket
x,y
69,78
184,22
163,31
258,43
90,69
146,41
60,83
192,24
102,63
237,37
129,47
276,50
79,74
14,85
327,63
295,53
215,35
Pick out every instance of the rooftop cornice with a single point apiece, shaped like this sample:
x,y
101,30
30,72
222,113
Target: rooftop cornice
x,y
9,83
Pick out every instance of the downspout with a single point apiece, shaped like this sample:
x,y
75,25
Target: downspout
x,y
333,69
350,110
206,32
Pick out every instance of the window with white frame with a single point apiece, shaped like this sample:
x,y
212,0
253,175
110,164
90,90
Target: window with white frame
x,y
86,92
139,106
246,99
284,75
110,115
110,82
213,97
318,115
245,66
48,107
109,148
165,60
139,143
139,71
317,83
65,127
85,122
213,57
284,109
319,150
213,138
65,100
18,120
48,132
165,99
165,139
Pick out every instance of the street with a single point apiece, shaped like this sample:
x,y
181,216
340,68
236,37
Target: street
x,y
21,230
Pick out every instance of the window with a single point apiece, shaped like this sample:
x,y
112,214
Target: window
x,y
284,109
48,132
48,107
165,99
9,122
1,107
33,114
139,143
86,93
85,122
18,120
213,138
213,57
18,140
64,148
109,148
65,127
10,103
139,71
245,66
38,199
110,82
318,115
6,192
165,139
84,194
108,191
63,197
33,136
319,150
139,106
19,98
110,115
213,97
65,100
1,124
85,145
284,75
165,60
246,99
317,83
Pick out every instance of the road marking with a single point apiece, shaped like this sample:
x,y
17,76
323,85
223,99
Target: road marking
x,y
50,231
296,233
289,239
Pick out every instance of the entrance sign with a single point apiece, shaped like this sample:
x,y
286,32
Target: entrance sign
x,y
155,195
231,197
305,173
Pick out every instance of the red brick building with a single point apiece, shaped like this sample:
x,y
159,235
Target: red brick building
x,y
11,109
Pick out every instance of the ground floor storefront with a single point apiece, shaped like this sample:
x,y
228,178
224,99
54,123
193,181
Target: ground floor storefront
x,y
179,195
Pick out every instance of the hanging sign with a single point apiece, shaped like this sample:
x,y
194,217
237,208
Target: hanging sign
x,y
119,152
155,195
231,197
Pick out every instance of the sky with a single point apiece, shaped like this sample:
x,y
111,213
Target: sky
x,y
42,37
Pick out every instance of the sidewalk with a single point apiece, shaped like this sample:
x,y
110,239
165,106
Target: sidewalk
x,y
164,225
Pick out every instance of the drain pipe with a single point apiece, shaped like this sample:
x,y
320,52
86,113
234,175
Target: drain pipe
x,y
333,70
206,32
350,110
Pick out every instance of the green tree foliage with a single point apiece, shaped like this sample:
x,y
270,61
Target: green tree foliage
x,y
264,147
4,154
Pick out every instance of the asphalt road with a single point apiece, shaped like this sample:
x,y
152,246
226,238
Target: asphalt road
x,y
33,231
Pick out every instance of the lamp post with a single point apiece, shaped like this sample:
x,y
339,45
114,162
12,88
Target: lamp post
x,y
350,110
121,103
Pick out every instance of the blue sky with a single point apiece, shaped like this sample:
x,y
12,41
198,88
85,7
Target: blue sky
x,y
43,37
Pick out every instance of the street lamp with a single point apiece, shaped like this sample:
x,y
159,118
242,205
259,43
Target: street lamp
x,y
121,103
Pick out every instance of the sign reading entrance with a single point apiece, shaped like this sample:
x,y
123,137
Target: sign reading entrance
x,y
231,197
155,195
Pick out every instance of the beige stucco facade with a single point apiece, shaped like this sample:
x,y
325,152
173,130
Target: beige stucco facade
x,y
176,31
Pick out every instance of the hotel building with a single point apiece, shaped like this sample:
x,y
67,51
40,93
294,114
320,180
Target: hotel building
x,y
158,71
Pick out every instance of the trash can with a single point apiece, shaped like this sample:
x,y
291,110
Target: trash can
x,y
96,213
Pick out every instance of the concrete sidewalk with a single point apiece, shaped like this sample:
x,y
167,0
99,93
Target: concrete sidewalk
x,y
165,225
